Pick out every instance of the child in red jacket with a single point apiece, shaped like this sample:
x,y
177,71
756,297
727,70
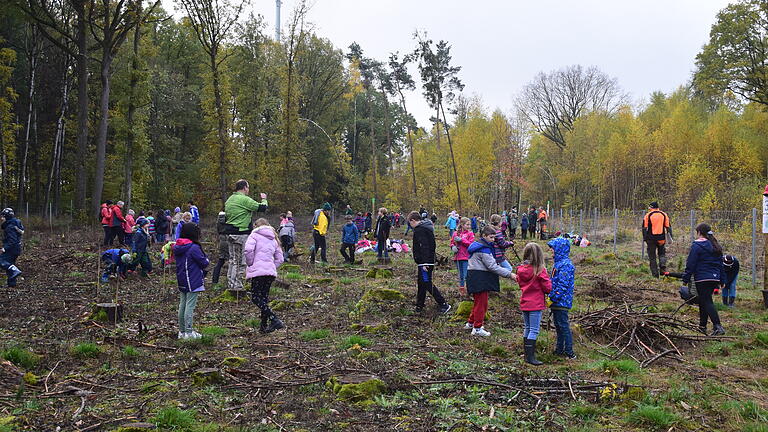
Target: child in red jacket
x,y
535,285
459,244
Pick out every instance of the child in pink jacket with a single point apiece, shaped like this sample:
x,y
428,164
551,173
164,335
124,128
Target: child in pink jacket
x,y
462,238
263,255
535,285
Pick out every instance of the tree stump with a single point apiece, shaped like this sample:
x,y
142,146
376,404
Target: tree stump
x,y
237,294
114,311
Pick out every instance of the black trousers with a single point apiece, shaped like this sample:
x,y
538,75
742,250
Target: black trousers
x,y
348,252
217,269
319,244
260,294
115,231
425,285
707,309
655,249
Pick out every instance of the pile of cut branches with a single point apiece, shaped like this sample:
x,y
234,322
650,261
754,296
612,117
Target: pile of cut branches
x,y
634,331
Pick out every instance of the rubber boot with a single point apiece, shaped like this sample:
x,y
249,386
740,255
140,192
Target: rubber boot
x,y
530,352
275,324
264,322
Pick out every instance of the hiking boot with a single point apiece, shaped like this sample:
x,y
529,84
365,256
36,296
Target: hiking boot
x,y
480,331
703,329
530,352
264,323
445,308
275,324
468,326
718,331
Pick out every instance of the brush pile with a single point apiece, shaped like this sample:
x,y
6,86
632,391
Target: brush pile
x,y
635,332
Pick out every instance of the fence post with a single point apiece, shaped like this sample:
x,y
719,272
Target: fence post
x,y
754,248
693,224
615,228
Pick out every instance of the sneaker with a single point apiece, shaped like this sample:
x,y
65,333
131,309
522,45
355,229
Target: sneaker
x,y
570,356
703,329
718,331
479,331
468,326
181,335
15,272
418,309
444,309
193,335
275,324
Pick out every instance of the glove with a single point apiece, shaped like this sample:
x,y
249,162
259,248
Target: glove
x,y
457,239
717,291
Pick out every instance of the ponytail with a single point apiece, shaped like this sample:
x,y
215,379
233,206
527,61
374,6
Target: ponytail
x,y
706,231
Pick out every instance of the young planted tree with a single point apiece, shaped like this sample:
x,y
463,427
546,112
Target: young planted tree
x,y
213,22
400,80
440,83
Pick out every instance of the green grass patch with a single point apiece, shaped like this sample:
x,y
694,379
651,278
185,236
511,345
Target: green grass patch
x,y
85,350
616,367
652,416
709,364
493,349
214,331
294,276
21,357
130,351
353,340
310,335
253,322
586,412
76,274
761,339
174,419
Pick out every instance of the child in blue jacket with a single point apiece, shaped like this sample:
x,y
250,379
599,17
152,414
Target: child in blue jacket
x,y
731,270
113,263
140,243
349,237
12,232
561,295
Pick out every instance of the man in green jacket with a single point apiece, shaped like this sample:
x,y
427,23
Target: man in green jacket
x,y
239,209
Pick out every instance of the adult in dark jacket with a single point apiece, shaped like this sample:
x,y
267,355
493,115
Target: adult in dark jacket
x,y
162,226
382,234
533,216
12,233
425,258
731,269
705,266
524,225
191,263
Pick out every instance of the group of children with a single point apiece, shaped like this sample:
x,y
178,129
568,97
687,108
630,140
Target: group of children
x,y
480,262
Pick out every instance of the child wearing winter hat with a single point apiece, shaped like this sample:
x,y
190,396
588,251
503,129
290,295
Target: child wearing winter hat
x,y
191,263
561,295
140,244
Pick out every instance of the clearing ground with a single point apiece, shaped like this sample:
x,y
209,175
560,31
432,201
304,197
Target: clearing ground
x,y
356,357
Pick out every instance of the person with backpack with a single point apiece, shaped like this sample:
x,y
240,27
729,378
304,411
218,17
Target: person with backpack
x,y
731,269
239,210
116,223
106,216
655,228
13,230
320,222
705,267
425,257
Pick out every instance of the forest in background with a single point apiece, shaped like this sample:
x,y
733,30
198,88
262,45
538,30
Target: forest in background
x,y
119,99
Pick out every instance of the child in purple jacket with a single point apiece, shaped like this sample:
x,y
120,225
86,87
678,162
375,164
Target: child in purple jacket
x,y
191,263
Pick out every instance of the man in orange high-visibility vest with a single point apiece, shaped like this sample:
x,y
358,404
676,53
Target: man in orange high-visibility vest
x,y
655,228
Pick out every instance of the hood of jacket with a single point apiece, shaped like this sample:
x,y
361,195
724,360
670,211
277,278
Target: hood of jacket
x,y
182,247
479,246
426,223
265,231
561,248
525,273
705,245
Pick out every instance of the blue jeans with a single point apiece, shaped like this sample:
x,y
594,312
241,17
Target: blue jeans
x,y
381,248
8,259
564,337
531,324
506,265
462,266
408,228
730,289
451,232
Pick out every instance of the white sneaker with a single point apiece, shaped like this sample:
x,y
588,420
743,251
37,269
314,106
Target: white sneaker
x,y
480,332
181,335
194,335
468,326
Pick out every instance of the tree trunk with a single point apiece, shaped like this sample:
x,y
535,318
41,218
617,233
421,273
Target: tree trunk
x,y
453,159
101,137
410,145
131,141
32,57
221,128
82,106
374,159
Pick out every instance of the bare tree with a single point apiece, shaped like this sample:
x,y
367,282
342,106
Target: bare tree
x,y
401,80
213,21
552,102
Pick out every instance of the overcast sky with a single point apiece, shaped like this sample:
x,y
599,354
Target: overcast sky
x,y
501,44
